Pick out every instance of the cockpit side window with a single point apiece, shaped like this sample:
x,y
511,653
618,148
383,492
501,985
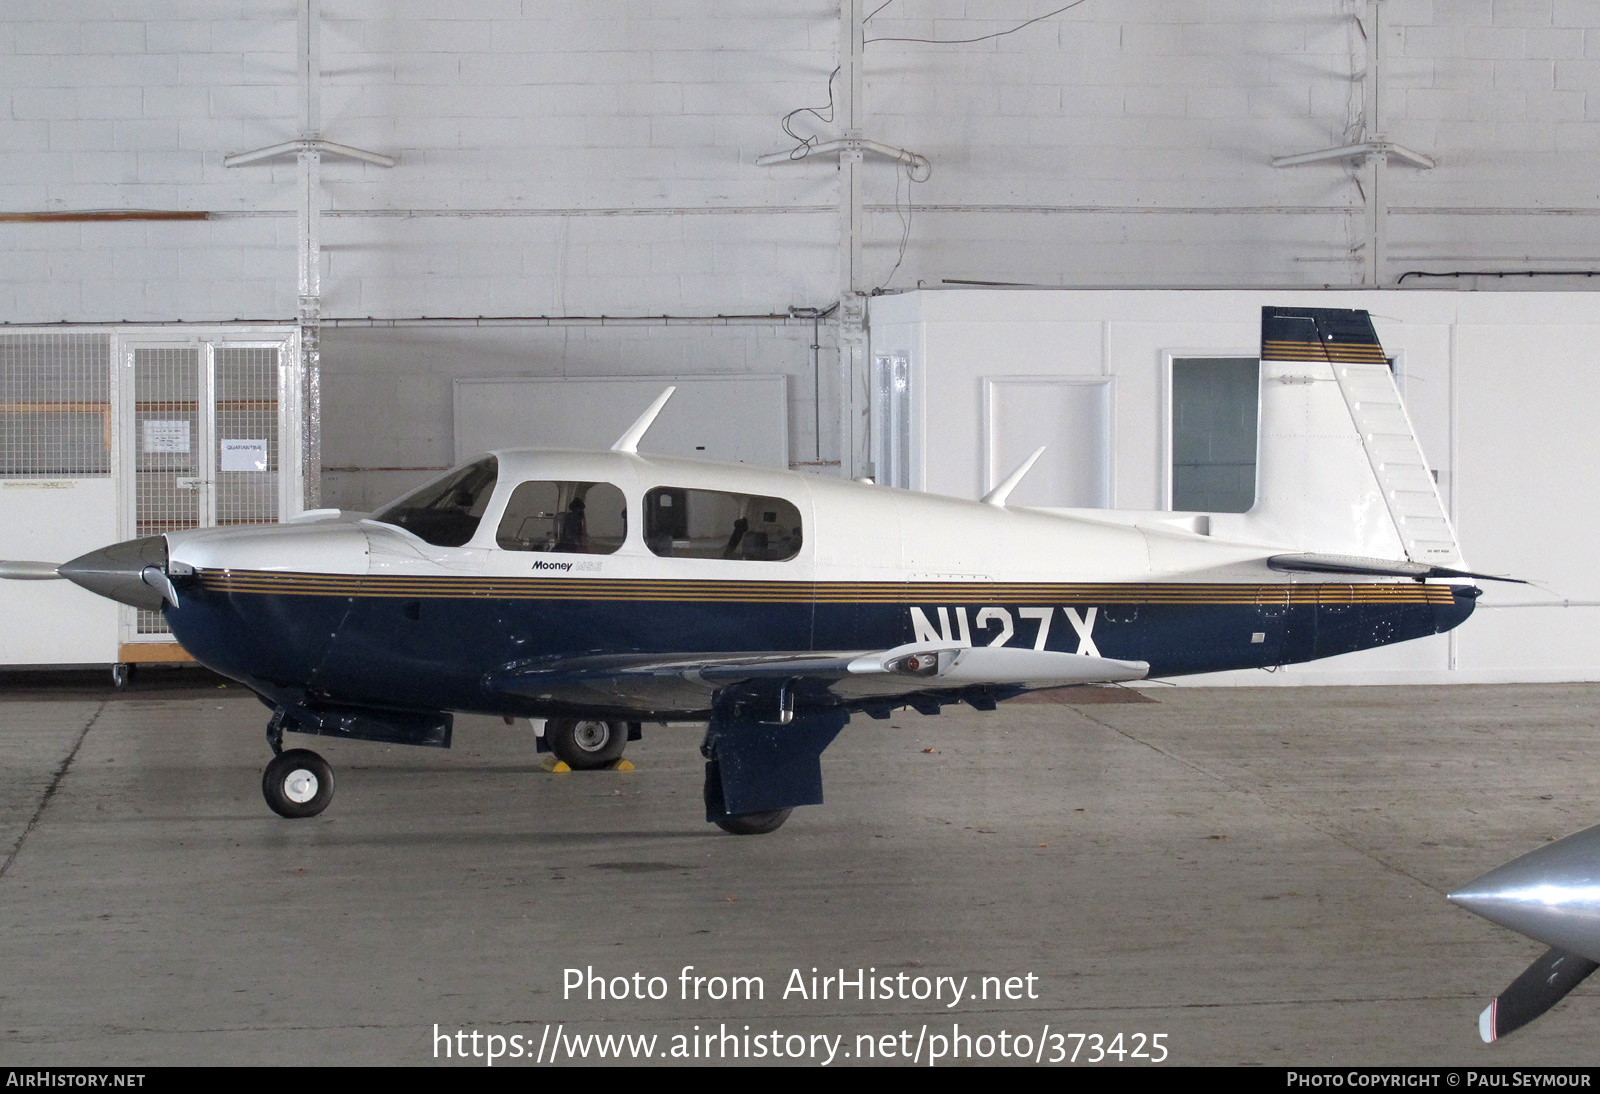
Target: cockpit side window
x,y
684,523
573,517
447,510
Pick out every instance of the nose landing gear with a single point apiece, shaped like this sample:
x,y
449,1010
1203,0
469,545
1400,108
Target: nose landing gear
x,y
297,783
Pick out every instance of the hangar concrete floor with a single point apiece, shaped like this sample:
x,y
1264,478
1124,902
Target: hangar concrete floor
x,y
1255,874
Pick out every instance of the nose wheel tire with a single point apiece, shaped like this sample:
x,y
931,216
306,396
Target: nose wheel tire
x,y
297,783
585,744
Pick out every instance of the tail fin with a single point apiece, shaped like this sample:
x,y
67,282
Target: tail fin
x,y
1340,468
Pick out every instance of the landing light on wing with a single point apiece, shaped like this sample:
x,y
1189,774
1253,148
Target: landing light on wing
x,y
914,664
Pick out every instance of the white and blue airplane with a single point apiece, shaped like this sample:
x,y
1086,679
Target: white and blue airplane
x,y
598,591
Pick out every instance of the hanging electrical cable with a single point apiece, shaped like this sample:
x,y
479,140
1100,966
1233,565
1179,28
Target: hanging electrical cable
x,y
912,176
981,37
1355,129
804,145
916,168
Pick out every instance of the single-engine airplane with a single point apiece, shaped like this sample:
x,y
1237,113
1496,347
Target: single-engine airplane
x,y
602,590
1552,895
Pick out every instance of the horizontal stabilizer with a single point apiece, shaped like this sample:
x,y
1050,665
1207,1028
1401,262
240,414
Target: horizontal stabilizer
x,y
1374,567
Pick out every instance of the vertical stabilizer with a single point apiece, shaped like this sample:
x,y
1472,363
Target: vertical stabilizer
x,y
1341,469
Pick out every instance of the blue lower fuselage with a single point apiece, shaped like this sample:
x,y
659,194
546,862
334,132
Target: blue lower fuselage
x,y
432,643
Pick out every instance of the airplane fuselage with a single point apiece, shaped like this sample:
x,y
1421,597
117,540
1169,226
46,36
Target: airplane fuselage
x,y
372,613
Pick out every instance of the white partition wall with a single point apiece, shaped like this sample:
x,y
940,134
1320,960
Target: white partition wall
x,y
736,419
1501,387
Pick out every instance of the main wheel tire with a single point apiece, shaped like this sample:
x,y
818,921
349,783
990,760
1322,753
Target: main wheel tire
x,y
754,824
585,744
297,783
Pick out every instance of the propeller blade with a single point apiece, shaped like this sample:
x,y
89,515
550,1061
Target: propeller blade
x,y
1541,986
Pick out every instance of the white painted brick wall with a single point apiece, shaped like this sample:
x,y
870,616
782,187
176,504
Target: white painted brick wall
x,y
405,374
597,159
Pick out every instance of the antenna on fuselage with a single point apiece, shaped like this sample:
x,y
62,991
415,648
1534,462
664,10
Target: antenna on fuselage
x,y
1000,493
629,441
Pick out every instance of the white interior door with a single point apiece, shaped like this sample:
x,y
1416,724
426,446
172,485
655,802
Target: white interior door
x,y
1071,418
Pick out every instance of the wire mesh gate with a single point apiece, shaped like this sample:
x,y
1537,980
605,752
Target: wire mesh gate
x,y
112,434
205,448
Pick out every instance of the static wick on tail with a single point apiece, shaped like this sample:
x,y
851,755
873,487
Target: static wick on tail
x,y
1552,895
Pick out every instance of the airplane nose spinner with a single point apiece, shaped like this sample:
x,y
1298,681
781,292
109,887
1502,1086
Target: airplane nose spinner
x,y
131,572
1551,895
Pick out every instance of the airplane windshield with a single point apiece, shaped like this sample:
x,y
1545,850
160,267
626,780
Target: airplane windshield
x,y
445,512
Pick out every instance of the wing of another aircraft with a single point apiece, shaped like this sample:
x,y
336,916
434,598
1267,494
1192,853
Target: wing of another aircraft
x,y
657,682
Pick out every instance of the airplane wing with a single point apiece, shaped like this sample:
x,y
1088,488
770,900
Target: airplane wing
x,y
679,682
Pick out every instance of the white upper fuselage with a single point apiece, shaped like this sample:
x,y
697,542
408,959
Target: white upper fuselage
x,y
850,532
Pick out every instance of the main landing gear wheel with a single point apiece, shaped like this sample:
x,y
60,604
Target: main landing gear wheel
x,y
754,824
585,744
298,783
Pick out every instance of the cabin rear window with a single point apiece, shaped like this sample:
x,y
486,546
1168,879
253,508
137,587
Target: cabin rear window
x,y
445,511
587,518
684,523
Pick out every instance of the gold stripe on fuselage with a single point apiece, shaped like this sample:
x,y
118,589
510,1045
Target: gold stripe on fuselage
x,y
1331,594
